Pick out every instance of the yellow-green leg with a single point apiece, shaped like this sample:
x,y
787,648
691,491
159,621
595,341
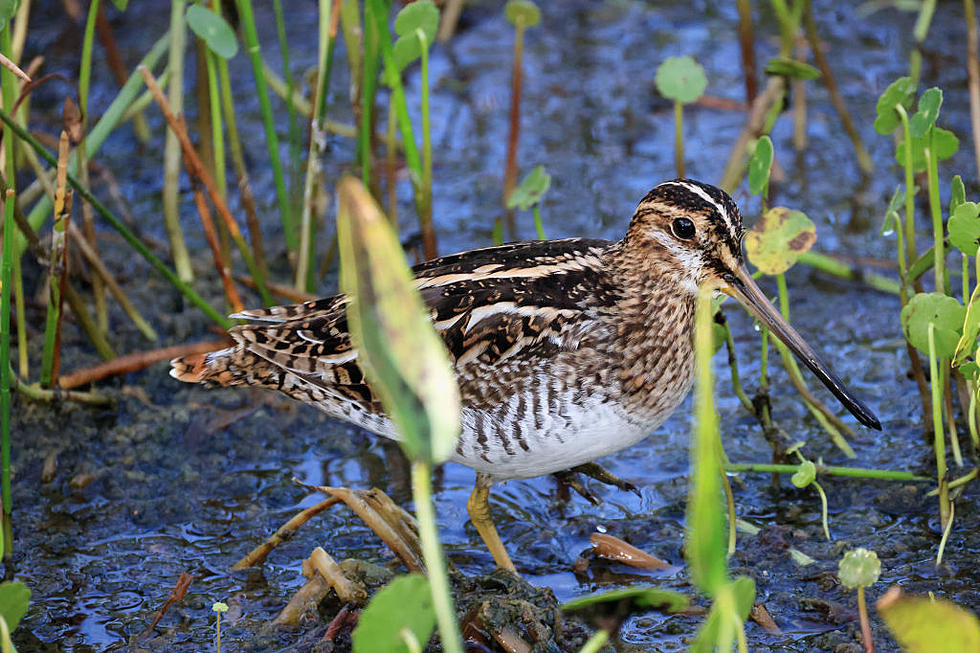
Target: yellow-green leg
x,y
479,508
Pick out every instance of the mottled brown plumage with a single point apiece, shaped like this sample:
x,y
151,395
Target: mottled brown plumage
x,y
565,350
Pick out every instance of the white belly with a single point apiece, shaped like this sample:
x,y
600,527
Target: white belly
x,y
506,447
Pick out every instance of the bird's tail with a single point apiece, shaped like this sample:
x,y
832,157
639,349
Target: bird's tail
x,y
212,368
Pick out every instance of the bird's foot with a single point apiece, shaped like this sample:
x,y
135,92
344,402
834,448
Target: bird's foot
x,y
570,478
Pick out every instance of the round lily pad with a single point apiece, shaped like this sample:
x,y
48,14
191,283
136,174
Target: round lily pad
x,y
944,312
859,568
681,79
778,239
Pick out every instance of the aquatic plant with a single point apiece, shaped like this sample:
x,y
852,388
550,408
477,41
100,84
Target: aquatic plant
x,y
218,607
682,80
858,569
529,195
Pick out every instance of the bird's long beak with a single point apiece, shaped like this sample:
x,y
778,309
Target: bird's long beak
x,y
742,287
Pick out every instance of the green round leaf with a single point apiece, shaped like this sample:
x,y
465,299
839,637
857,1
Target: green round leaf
x,y
944,312
405,603
778,239
964,228
531,190
213,30
791,68
805,474
420,15
927,114
523,12
897,93
681,79
944,145
859,568
760,166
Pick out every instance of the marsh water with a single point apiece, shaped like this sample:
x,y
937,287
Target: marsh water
x,y
175,478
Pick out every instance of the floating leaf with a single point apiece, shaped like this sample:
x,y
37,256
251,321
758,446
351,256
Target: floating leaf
x,y
898,93
945,312
531,190
404,359
14,597
681,79
404,604
859,568
760,165
957,193
213,30
922,624
779,238
791,68
523,12
632,599
420,15
805,474
928,112
964,228
944,145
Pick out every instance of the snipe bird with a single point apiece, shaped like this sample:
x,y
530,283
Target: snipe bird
x,y
565,350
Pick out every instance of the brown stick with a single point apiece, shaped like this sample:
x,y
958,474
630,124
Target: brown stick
x,y
177,594
260,553
137,361
754,124
973,74
209,234
820,58
746,41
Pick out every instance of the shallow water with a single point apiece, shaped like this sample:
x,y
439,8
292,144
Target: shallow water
x,y
184,479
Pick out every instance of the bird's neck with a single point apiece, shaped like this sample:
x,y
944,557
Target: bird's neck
x,y
655,321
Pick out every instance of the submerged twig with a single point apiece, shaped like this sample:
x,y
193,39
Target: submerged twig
x,y
258,555
136,362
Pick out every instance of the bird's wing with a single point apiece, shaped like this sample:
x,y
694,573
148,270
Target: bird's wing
x,y
489,305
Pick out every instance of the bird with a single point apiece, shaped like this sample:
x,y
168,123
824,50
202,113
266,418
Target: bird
x,y
565,351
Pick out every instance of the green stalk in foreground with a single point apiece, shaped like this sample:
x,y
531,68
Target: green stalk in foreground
x,y
251,37
120,227
5,372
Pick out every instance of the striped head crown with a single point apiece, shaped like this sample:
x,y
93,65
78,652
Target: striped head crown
x,y
696,226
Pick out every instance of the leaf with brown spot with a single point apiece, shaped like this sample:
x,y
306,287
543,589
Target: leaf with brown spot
x,y
778,239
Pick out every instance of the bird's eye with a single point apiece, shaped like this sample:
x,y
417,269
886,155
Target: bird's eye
x,y
683,228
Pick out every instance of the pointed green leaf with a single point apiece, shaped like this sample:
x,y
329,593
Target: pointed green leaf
x,y
957,193
14,598
898,93
778,239
741,592
404,359
760,166
120,4
524,12
928,112
213,30
945,312
791,68
681,79
967,344
964,228
631,599
404,604
531,190
922,624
